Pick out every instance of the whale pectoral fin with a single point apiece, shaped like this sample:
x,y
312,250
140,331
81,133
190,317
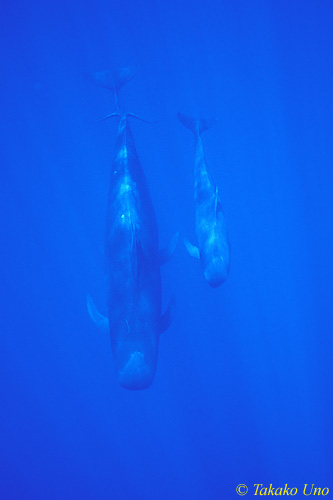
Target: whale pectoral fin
x,y
101,321
192,250
167,317
166,253
140,118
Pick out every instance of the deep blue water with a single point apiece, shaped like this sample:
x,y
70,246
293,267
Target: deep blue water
x,y
243,390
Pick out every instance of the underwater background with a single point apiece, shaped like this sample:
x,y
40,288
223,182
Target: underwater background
x,y
243,389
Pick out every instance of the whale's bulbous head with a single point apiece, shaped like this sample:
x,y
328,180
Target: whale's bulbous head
x,y
216,271
135,366
136,374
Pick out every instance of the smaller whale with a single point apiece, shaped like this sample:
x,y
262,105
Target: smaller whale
x,y
213,248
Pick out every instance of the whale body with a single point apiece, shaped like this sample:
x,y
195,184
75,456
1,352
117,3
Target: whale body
x,y
132,256
133,265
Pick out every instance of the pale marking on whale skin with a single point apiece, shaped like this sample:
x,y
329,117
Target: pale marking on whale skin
x,y
126,197
136,364
122,155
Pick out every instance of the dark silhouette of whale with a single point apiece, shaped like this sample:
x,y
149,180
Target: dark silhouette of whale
x,y
213,243
133,263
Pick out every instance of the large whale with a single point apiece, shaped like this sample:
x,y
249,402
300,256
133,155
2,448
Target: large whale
x,y
133,261
213,248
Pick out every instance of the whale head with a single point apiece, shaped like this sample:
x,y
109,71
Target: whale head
x,y
135,364
216,271
136,373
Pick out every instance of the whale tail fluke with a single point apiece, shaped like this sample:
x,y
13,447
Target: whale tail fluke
x,y
113,80
124,75
196,125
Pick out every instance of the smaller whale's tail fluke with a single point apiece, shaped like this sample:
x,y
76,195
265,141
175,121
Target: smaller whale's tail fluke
x,y
113,80
196,125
